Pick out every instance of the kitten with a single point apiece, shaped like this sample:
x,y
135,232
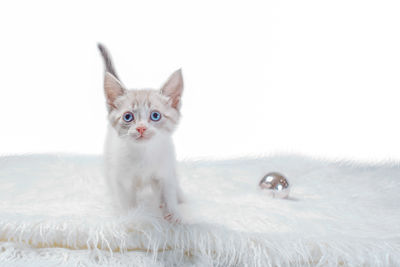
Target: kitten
x,y
139,150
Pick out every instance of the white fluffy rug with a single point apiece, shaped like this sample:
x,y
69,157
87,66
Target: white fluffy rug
x,y
54,211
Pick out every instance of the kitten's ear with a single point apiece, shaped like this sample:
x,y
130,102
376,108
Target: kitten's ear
x,y
112,89
173,88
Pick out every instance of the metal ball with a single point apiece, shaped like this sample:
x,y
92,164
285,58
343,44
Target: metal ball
x,y
276,184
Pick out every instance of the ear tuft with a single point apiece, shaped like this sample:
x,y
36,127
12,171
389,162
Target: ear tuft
x,y
112,89
173,88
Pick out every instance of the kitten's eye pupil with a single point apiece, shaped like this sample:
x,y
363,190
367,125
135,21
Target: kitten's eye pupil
x,y
155,116
128,116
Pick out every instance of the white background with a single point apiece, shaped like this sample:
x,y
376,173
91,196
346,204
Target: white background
x,y
314,77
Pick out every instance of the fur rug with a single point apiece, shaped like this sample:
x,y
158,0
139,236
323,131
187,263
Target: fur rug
x,y
54,211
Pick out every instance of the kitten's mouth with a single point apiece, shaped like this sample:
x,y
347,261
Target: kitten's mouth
x,y
142,137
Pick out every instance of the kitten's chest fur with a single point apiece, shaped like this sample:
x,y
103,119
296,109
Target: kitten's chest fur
x,y
138,164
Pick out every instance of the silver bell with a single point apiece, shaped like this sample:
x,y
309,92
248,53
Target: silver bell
x,y
276,184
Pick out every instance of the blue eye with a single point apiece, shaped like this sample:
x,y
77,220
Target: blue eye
x,y
128,116
155,116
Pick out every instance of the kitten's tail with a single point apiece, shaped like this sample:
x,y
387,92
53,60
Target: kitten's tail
x,y
107,60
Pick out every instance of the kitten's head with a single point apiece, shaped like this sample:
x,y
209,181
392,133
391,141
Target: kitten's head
x,y
140,115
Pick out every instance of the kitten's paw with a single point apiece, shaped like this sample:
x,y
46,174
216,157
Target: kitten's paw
x,y
173,217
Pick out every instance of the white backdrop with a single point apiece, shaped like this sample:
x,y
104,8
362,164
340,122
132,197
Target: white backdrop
x,y
314,77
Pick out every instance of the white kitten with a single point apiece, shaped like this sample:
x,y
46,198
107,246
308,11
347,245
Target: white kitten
x,y
139,150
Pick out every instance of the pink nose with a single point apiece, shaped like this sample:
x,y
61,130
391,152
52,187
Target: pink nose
x,y
141,129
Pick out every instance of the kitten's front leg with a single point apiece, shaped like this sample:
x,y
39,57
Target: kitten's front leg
x,y
169,200
121,187
155,185
127,196
123,191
